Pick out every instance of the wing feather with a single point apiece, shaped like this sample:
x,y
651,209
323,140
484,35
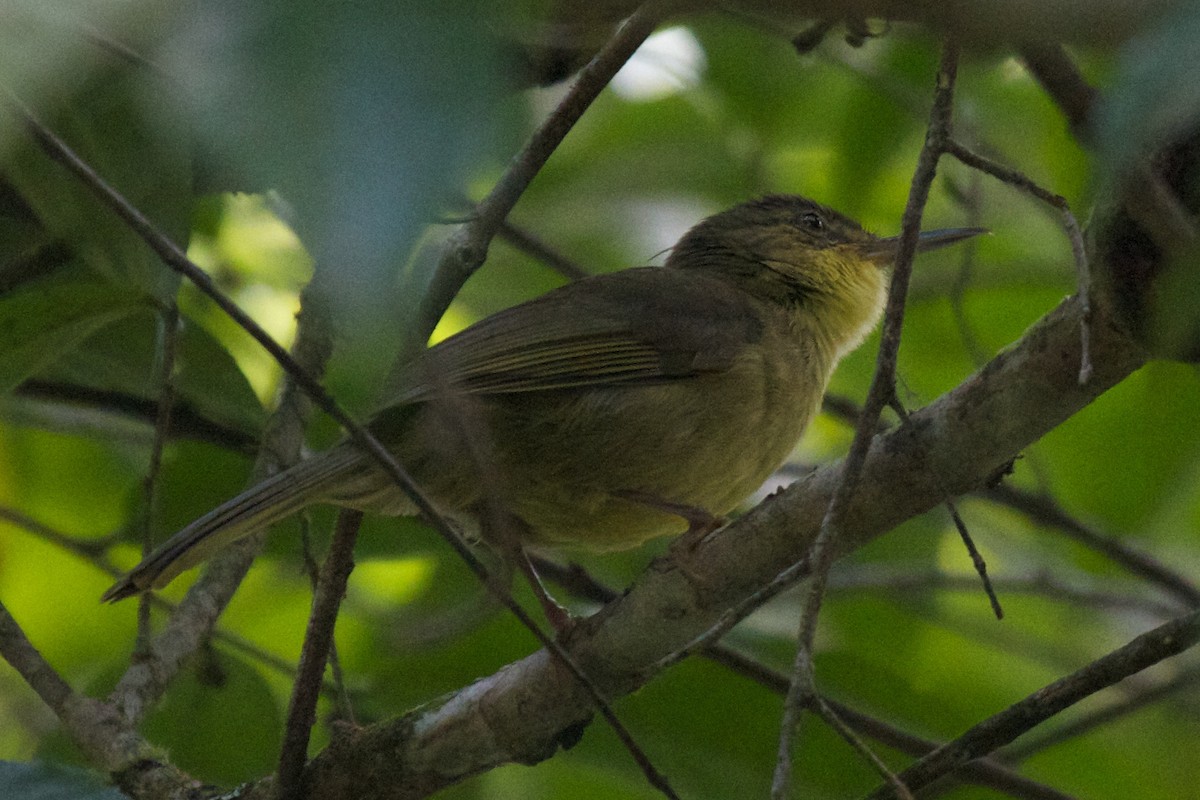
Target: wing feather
x,y
642,325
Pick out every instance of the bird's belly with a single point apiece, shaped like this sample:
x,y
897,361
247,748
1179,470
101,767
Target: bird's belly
x,y
566,462
706,443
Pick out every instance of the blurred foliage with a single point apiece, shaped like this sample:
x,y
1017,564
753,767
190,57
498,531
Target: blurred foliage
x,y
292,138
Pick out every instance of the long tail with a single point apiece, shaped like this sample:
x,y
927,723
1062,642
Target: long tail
x,y
277,497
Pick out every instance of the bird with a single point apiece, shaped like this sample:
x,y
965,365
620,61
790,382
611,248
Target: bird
x,y
612,410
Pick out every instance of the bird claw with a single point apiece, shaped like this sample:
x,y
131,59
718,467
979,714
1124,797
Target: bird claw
x,y
700,521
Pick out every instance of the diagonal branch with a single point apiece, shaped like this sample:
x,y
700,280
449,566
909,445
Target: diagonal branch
x,y
1146,650
467,249
302,708
97,728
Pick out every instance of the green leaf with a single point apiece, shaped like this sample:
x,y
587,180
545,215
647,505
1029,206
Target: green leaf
x,y
41,321
118,120
121,358
46,781
219,720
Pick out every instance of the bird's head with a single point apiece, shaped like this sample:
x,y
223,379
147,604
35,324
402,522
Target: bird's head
x,y
803,255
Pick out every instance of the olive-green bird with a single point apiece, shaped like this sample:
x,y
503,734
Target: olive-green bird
x,y
612,410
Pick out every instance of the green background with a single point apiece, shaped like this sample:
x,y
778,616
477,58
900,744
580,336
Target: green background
x,y
337,140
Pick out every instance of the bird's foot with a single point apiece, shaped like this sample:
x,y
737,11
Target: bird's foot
x,y
700,521
560,619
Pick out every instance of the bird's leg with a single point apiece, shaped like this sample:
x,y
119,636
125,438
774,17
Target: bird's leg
x,y
700,521
504,532
559,618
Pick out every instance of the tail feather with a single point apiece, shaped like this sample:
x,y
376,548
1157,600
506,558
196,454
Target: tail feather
x,y
265,503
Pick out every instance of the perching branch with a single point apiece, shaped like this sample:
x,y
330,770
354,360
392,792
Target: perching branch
x,y
525,710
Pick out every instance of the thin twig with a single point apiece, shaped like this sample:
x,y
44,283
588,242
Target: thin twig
x,y
467,248
1186,679
176,259
965,535
91,549
732,616
1083,273
1046,511
306,689
831,718
527,243
882,390
1146,650
345,709
168,321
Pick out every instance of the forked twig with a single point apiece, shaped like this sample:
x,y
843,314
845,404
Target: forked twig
x,y
1083,273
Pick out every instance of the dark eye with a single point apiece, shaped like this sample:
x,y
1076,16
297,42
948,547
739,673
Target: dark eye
x,y
812,220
